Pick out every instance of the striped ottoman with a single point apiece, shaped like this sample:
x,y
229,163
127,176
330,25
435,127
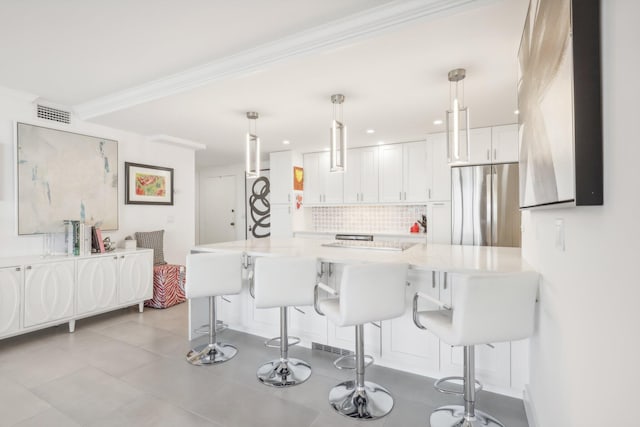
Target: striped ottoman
x,y
168,286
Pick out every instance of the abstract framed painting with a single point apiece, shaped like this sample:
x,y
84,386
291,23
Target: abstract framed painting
x,y
62,176
148,185
560,105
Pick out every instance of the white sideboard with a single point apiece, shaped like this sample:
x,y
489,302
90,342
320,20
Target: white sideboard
x,y
37,292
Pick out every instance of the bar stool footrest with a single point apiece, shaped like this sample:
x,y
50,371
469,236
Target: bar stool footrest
x,y
275,342
458,391
348,361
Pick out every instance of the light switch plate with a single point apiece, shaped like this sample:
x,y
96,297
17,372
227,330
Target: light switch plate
x,y
560,234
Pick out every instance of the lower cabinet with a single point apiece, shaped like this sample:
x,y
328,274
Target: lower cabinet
x,y
48,292
98,284
10,297
135,278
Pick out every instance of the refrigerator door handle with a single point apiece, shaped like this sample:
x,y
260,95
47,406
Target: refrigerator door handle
x,y
494,206
488,187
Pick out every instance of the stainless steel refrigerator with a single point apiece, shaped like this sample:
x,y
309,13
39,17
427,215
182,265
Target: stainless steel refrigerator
x,y
485,205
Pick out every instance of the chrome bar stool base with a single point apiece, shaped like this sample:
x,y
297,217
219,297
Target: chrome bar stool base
x,y
453,416
211,354
284,373
370,403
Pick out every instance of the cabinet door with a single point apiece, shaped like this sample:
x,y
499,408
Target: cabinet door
x,y
504,140
352,177
48,292
369,174
281,220
480,146
332,182
390,178
440,170
10,297
281,176
417,171
309,325
312,187
136,277
402,341
439,222
97,284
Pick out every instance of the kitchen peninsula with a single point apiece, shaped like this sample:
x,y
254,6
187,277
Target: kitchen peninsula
x,y
395,343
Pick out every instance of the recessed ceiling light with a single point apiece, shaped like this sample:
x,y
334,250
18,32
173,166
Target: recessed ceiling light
x,y
371,131
437,122
516,112
325,149
380,142
286,142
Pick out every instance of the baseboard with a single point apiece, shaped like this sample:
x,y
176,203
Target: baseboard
x,y
529,407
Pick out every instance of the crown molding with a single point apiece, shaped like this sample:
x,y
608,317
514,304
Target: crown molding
x,y
173,140
318,39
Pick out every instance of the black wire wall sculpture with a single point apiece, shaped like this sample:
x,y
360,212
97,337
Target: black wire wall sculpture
x,y
260,208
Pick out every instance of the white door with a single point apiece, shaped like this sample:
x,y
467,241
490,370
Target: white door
x,y
369,174
352,177
417,171
390,178
217,209
281,221
331,182
504,140
439,222
136,277
10,290
480,146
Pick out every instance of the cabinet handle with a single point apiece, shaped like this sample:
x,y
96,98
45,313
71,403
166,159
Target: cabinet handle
x,y
495,153
18,269
400,195
438,204
121,256
488,154
28,267
433,279
115,257
444,284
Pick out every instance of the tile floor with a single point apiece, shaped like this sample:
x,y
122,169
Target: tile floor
x,y
127,369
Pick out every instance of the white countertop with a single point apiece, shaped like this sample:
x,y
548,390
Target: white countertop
x,y
451,258
32,259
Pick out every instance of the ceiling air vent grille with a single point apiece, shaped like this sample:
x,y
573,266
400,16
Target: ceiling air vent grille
x,y
54,114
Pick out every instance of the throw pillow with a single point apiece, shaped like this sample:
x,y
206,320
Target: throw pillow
x,y
153,240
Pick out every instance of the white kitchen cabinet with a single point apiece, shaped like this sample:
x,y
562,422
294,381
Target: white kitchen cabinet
x,y
308,325
361,176
135,281
48,292
403,343
98,284
417,171
10,297
439,222
281,221
390,178
321,186
438,170
504,143
498,144
280,177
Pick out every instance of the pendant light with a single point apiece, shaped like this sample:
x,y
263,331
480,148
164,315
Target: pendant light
x,y
338,136
457,119
252,149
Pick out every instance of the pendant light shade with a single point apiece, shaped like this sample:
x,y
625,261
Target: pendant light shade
x,y
252,148
457,119
338,137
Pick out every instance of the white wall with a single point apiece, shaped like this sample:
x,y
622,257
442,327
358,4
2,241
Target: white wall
x,y
584,356
178,220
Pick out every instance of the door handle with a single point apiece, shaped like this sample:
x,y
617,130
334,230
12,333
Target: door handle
x,y
488,154
429,193
495,153
232,223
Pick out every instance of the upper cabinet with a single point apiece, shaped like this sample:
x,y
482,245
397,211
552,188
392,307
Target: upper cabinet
x,y
361,176
391,180
498,144
438,169
321,186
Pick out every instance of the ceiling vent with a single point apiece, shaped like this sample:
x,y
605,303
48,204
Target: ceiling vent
x,y
53,114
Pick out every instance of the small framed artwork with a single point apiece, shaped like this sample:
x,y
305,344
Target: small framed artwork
x,y
148,185
298,178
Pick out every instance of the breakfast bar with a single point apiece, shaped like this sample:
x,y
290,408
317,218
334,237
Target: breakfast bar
x,y
396,343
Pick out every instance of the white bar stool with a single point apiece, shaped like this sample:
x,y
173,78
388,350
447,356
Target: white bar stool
x,y
210,275
284,282
367,293
485,309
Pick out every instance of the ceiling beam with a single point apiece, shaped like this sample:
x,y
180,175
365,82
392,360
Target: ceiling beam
x,y
318,39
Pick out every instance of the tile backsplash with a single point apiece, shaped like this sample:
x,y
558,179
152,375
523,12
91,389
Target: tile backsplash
x,y
366,219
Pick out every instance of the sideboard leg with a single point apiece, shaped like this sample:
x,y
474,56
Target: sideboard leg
x,y
140,307
72,326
